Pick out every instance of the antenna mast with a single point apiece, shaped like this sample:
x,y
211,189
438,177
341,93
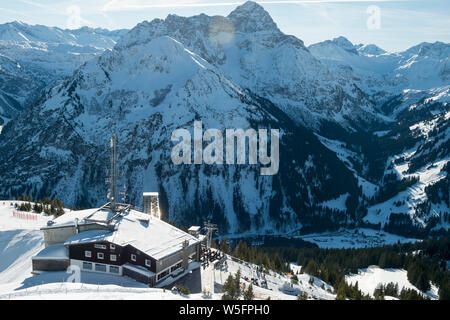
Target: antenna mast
x,y
113,173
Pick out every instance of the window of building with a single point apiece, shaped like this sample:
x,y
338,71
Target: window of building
x,y
114,269
175,267
163,274
88,254
100,267
133,257
87,266
112,246
100,255
148,263
100,246
113,257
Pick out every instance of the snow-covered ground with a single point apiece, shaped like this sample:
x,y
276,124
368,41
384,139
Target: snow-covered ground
x,y
19,240
368,279
278,285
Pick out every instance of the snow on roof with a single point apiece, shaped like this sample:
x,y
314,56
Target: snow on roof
x,y
194,228
88,216
102,215
89,237
68,218
139,269
57,251
154,237
150,194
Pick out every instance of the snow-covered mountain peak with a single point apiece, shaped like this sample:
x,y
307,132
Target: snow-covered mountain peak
x,y
156,60
251,17
249,49
370,49
343,42
435,49
34,56
36,36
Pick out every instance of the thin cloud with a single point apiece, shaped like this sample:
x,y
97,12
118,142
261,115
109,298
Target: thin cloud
x,y
116,5
47,8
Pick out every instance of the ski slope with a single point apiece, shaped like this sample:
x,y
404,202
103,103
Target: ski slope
x,y
19,240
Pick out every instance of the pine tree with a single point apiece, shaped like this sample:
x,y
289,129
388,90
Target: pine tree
x,y
277,264
312,268
302,296
248,294
224,247
228,289
231,288
341,291
237,283
444,291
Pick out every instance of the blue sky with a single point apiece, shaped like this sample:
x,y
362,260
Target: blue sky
x,y
401,23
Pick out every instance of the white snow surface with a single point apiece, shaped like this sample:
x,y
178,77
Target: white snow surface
x,y
369,278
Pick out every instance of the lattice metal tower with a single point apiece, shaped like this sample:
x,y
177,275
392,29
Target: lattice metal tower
x,y
210,228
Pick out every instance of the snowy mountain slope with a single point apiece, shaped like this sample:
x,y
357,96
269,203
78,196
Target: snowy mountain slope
x,y
19,32
411,89
16,86
53,51
276,283
32,57
250,50
19,241
421,67
354,161
366,107
148,90
415,183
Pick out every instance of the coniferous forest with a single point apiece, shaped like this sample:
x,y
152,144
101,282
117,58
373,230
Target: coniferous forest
x,y
424,261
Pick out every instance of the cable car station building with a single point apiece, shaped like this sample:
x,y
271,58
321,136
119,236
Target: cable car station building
x,y
122,242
